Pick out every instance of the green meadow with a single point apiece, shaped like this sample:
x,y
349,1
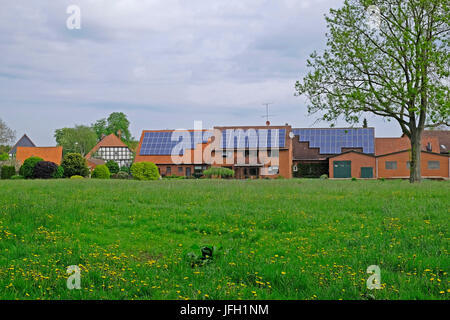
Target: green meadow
x,y
274,239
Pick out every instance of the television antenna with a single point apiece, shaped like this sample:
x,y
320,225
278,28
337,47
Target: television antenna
x,y
267,115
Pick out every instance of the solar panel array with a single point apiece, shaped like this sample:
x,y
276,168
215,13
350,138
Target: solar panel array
x,y
162,143
253,138
331,141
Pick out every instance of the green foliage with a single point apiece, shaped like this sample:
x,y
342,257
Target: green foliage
x,y
44,170
115,122
202,255
354,179
59,173
80,139
145,171
101,172
324,177
4,156
174,176
7,172
112,166
6,134
17,177
74,164
218,172
27,168
121,175
125,169
76,177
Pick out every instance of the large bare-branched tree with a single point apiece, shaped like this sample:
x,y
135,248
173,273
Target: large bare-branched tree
x,y
386,57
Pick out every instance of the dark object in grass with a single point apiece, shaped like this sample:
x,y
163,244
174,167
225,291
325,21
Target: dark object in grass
x,y
208,254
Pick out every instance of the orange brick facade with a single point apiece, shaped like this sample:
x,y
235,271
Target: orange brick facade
x,y
358,161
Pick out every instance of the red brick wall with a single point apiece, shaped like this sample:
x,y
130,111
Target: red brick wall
x,y
357,162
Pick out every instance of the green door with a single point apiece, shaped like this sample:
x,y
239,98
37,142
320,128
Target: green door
x,y
367,172
342,169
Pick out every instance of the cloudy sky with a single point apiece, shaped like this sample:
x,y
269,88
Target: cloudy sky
x,y
165,63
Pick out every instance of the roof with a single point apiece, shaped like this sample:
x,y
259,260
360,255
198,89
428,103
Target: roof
x,y
92,162
333,140
353,151
391,145
443,137
25,141
109,141
53,154
409,150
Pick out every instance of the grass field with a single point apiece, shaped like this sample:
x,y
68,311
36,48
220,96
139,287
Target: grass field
x,y
280,239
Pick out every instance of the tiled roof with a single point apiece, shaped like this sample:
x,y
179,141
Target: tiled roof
x,y
53,154
109,141
25,141
443,137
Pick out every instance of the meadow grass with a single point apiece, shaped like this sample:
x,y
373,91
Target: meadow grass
x,y
280,239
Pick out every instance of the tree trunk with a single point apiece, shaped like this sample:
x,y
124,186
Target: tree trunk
x,y
416,148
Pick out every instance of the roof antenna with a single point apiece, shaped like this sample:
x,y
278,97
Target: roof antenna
x,y
267,112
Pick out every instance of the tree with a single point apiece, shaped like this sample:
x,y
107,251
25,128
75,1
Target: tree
x,y
144,171
80,139
45,170
7,135
101,172
74,165
113,166
394,65
117,121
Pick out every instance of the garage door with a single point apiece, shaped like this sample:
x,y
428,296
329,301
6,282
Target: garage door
x,y
342,169
367,172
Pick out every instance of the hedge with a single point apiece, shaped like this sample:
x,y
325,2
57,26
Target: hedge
x,y
7,172
112,166
218,172
145,171
101,172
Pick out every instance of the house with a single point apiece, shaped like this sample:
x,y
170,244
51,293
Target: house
x,y
25,141
52,154
108,148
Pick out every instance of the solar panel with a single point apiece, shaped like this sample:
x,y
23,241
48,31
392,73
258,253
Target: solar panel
x,y
253,138
331,141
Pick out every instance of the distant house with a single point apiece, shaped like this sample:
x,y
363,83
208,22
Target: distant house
x,y
110,148
25,141
53,154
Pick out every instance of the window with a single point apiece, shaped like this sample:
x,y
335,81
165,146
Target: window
x,y
408,165
391,165
434,165
188,171
180,169
169,170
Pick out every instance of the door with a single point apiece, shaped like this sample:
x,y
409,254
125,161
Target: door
x,y
342,169
367,172
188,171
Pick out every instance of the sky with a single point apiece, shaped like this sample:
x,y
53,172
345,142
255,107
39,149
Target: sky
x,y
164,63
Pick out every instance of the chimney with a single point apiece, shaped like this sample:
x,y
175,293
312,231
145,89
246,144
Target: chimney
x,y
119,134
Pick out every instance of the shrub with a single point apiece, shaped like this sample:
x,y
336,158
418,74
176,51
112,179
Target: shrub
x,y
4,156
74,165
76,177
101,172
324,177
17,177
353,179
121,175
8,172
59,173
112,166
27,168
125,169
44,170
145,171
218,172
174,176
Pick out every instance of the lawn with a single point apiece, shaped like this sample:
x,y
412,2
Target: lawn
x,y
279,239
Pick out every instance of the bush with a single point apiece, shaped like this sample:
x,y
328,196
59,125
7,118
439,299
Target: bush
x,y
8,172
112,166
59,173
145,171
4,156
218,172
74,165
17,177
354,179
44,170
311,170
121,175
174,176
324,177
76,177
101,172
27,168
125,169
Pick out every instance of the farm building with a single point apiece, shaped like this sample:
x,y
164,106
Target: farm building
x,y
25,141
110,148
52,154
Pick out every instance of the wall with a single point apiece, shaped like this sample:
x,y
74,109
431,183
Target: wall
x,y
357,161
